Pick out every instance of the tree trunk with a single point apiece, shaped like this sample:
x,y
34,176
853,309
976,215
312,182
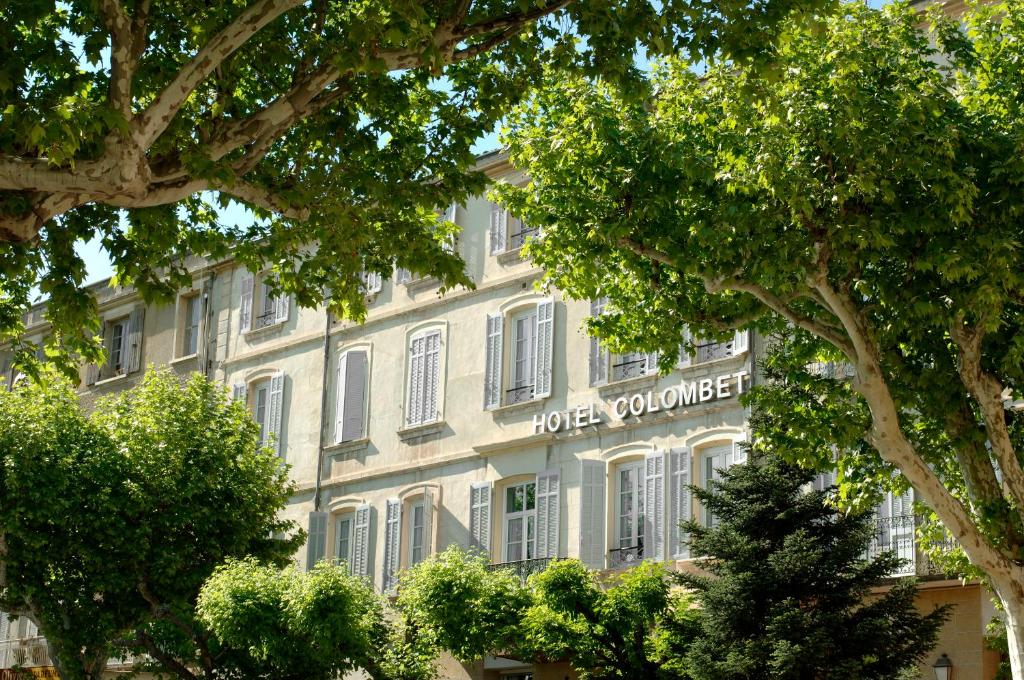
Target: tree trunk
x,y
1011,595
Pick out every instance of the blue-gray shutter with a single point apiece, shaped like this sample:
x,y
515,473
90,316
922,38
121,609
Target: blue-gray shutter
x,y
545,347
680,507
654,506
352,374
592,513
480,515
245,301
316,543
361,541
599,356
392,543
548,488
499,229
276,406
493,360
133,342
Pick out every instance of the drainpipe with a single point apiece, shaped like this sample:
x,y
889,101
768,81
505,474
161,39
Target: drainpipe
x,y
323,411
208,314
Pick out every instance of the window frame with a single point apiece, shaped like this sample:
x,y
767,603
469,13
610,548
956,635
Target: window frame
x,y
527,515
116,367
348,538
516,382
637,517
424,332
417,505
185,327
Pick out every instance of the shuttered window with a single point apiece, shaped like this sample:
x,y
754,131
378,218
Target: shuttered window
x,y
361,541
268,410
680,502
548,512
592,513
258,306
480,515
607,367
714,459
654,506
530,349
350,414
392,543
192,308
423,376
316,541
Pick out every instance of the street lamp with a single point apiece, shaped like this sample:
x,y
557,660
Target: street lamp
x,y
943,668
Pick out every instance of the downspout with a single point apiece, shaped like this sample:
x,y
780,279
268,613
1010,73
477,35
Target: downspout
x,y
323,411
208,314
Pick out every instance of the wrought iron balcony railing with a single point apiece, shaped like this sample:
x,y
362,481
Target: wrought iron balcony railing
x,y
518,395
619,558
523,568
899,535
634,368
711,351
518,239
266,319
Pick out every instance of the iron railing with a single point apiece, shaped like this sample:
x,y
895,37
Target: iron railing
x,y
711,351
25,652
625,557
899,535
624,370
523,568
518,395
265,319
518,239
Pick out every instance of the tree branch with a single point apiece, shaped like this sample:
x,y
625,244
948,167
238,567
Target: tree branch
x,y
122,62
510,20
264,198
180,669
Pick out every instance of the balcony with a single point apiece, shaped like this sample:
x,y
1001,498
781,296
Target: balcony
x,y
712,351
264,320
24,652
632,368
523,568
621,558
517,239
898,534
518,395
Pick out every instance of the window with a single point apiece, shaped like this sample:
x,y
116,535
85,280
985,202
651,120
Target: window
x,y
417,539
607,367
716,458
260,409
629,511
372,282
263,309
117,332
449,245
508,233
351,538
343,538
705,350
192,309
265,398
413,519
122,340
422,383
350,412
528,361
520,521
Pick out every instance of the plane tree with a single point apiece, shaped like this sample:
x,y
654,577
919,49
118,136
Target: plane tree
x,y
861,204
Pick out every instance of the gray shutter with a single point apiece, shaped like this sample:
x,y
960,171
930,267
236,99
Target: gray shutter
x,y
352,375
742,342
548,486
92,374
428,522
361,541
654,506
480,515
431,373
282,305
414,403
493,361
739,450
239,392
592,513
545,345
245,303
316,543
133,343
651,366
499,228
684,355
680,502
403,275
599,356
392,542
276,407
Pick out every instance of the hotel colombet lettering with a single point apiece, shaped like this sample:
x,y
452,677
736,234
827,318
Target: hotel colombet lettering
x,y
687,393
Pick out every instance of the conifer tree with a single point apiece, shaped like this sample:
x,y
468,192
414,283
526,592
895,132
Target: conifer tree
x,y
787,593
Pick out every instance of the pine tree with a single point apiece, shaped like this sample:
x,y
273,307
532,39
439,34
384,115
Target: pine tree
x,y
788,591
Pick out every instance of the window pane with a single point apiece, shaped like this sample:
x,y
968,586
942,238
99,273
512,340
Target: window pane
x,y
531,496
514,542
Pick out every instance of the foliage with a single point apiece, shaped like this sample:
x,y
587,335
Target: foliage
x,y
287,624
340,127
862,208
787,591
112,520
631,626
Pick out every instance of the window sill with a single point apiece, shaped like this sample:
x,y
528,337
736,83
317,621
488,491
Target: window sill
x,y
712,362
627,384
256,332
513,256
421,284
110,381
410,431
528,405
347,447
181,360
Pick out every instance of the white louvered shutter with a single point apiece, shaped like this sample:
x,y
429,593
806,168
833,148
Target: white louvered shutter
x,y
739,450
901,514
275,417
545,346
316,542
414,404
680,502
428,522
493,361
361,541
480,515
92,374
742,342
245,303
651,366
431,374
403,275
592,513
548,490
599,356
239,392
5,627
351,412
133,345
372,282
392,542
684,359
282,305
654,506
499,228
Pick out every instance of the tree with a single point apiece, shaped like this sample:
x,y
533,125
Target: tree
x,y
341,127
111,521
318,625
863,204
631,626
786,593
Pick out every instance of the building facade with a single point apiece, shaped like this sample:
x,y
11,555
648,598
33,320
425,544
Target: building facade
x,y
484,418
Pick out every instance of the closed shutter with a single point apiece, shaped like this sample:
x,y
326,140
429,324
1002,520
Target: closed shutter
x,y
684,359
428,522
739,450
133,345
392,542
592,513
245,303
316,542
92,374
361,541
239,392
480,515
351,412
414,404
599,356
282,304
545,345
548,489
901,518
431,373
742,342
276,410
654,506
492,361
499,228
680,502
5,627
651,366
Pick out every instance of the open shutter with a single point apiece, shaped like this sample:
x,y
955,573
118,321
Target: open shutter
x,y
684,355
742,342
651,366
654,506
403,275
239,392
902,523
316,542
431,373
480,515
592,513
548,488
599,356
499,228
414,404
545,344
372,282
351,416
392,542
428,522
282,304
361,541
493,356
276,409
680,502
133,345
92,374
739,450
245,304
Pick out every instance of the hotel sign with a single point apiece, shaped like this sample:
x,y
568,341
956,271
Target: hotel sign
x,y
687,393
